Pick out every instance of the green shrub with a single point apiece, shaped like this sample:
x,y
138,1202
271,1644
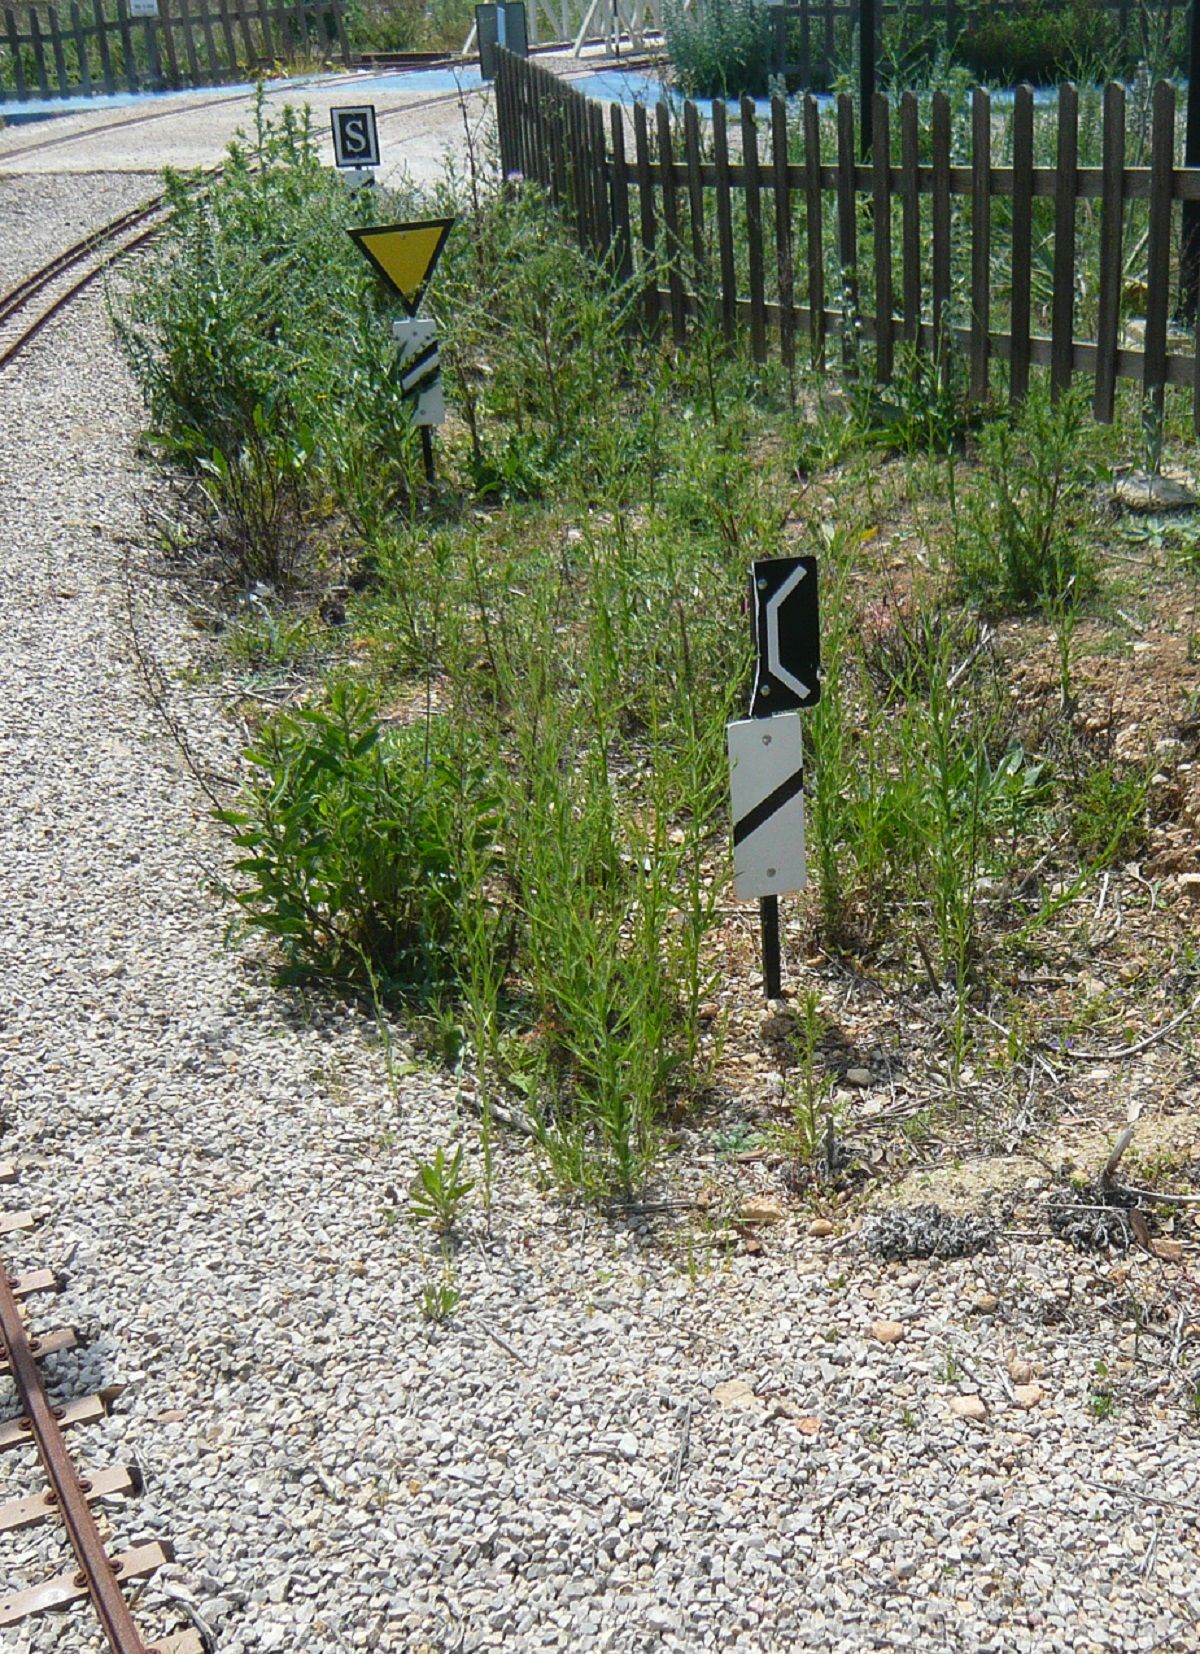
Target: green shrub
x,y
1108,813
348,835
1041,42
721,49
1028,517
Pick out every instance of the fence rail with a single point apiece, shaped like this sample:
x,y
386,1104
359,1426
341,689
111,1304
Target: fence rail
x,y
786,233
83,49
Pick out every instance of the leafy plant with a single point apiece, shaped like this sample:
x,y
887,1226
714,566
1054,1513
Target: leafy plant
x,y
720,48
346,831
438,1301
1025,540
439,1191
1108,812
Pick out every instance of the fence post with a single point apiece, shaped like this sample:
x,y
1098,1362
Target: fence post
x,y
941,233
910,231
847,208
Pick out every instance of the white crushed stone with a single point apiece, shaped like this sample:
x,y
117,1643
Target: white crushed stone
x,y
552,1470
43,215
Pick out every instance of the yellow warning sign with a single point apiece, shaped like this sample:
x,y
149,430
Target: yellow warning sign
x,y
405,255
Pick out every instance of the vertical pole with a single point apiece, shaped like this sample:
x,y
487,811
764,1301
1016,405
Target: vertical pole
x,y
768,909
427,454
866,76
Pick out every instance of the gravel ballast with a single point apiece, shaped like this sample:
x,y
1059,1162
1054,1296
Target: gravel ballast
x,y
626,1438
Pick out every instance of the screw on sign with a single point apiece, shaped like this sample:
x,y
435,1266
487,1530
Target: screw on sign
x,y
766,754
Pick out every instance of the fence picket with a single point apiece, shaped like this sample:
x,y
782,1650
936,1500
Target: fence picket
x,y
910,202
813,230
648,260
881,174
60,62
128,58
754,235
941,230
1158,250
784,265
81,50
724,222
1108,320
695,189
39,53
622,241
1062,319
847,209
981,240
674,245
1020,307
102,41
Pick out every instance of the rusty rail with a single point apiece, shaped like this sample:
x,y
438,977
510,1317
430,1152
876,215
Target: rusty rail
x,y
41,1423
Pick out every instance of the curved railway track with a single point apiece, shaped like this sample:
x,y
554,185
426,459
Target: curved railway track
x,y
39,1424
25,311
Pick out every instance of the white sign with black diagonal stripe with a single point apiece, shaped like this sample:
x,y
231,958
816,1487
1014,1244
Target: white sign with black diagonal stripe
x,y
420,369
766,771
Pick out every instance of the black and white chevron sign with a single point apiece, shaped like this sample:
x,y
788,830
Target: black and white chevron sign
x,y
786,635
766,769
420,369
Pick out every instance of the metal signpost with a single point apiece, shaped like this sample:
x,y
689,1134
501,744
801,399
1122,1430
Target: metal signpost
x,y
766,757
406,255
355,143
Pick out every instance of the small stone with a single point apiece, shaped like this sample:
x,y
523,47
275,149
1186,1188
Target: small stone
x,y
762,1209
904,1570
986,1303
808,1424
1150,491
1027,1395
1021,1372
709,1011
887,1332
736,1395
820,1228
1189,886
627,1447
969,1407
857,1076
1170,1251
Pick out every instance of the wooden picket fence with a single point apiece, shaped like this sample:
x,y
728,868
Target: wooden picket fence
x,y
99,46
789,234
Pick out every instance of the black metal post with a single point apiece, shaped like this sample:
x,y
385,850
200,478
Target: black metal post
x,y
427,453
768,909
866,75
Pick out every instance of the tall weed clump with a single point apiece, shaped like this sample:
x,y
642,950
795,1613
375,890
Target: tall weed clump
x,y
350,834
1025,537
719,49
256,341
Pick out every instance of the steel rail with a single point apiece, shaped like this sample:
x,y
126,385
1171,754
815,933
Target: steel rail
x,y
12,302
41,1419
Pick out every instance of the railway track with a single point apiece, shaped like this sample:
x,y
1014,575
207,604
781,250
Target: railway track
x,y
38,1425
43,295
40,297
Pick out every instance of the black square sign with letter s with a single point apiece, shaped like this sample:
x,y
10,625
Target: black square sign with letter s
x,y
355,136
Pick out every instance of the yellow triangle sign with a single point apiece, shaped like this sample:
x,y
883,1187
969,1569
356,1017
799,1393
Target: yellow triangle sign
x,y
405,255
